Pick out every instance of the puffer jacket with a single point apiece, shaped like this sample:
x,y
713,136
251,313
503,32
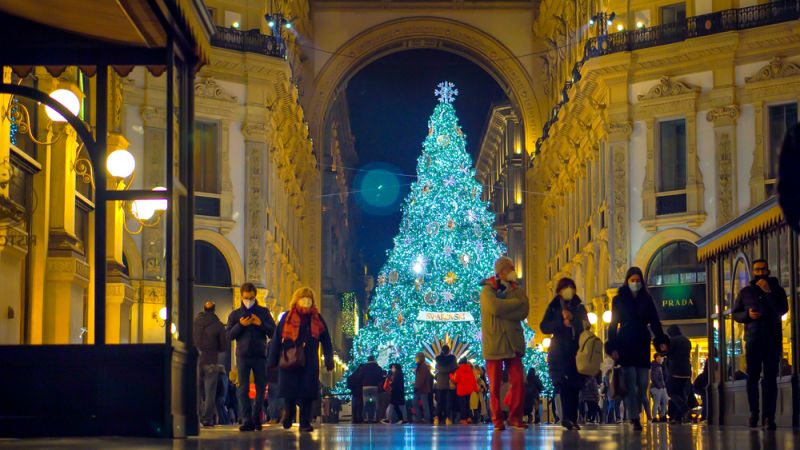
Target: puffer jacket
x,y
464,379
503,308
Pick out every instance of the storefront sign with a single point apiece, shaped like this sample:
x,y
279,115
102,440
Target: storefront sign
x,y
430,316
680,302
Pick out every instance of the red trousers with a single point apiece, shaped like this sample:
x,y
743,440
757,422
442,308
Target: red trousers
x,y
516,394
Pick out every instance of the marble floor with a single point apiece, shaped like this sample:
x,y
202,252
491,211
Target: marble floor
x,y
375,437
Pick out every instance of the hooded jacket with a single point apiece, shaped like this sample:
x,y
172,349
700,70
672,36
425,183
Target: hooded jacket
x,y
445,365
503,307
564,345
208,334
772,305
464,379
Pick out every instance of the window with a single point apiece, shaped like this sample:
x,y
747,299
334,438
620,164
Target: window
x,y
671,181
211,268
781,118
676,264
673,14
735,330
206,168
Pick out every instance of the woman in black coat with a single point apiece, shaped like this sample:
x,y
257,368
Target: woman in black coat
x,y
398,394
565,318
304,326
632,311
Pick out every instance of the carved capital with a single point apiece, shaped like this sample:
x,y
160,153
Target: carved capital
x,y
619,131
254,131
154,116
724,115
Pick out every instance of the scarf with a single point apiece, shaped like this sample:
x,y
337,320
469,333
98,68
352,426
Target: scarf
x,y
291,326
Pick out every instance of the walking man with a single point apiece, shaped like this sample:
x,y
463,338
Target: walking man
x,y
209,338
679,369
760,306
250,326
503,306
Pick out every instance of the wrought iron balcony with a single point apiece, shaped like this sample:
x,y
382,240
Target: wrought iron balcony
x,y
251,41
718,22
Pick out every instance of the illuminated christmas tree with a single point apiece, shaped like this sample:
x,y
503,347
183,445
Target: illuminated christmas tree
x,y
428,291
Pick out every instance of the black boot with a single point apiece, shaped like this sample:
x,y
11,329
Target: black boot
x,y
753,421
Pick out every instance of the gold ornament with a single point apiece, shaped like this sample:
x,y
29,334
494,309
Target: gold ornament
x,y
450,278
426,188
451,224
418,283
400,319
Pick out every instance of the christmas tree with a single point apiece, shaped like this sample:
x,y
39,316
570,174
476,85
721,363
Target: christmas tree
x,y
428,291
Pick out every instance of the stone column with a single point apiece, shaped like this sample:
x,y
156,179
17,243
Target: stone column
x,y
257,160
724,120
618,134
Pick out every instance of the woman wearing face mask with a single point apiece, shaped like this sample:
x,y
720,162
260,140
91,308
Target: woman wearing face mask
x,y
632,310
397,390
565,318
302,325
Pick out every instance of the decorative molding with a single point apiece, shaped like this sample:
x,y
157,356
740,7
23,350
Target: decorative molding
x,y
666,87
726,174
618,131
723,113
209,88
776,68
619,200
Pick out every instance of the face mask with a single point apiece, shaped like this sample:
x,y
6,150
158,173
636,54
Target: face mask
x,y
304,302
635,286
511,276
248,303
567,293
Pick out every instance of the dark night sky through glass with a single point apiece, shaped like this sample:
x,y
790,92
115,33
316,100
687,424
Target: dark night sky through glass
x,y
390,102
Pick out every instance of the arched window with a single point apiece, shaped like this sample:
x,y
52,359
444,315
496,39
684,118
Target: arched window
x,y
210,266
675,264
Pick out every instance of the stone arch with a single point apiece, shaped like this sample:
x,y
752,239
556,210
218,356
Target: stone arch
x,y
228,251
134,257
660,239
431,33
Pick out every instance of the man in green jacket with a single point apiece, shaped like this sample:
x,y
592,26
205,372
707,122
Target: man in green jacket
x,y
503,306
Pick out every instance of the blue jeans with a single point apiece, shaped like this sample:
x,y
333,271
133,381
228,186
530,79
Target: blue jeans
x,y
636,380
371,394
426,406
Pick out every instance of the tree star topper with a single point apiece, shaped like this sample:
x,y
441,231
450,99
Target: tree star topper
x,y
446,92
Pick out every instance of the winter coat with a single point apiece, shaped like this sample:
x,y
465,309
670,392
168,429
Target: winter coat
x,y
679,356
657,376
423,378
533,386
766,329
590,392
398,393
301,383
251,341
564,344
502,310
445,364
464,379
208,334
370,374
628,333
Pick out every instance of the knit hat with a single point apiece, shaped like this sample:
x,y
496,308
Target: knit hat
x,y
502,263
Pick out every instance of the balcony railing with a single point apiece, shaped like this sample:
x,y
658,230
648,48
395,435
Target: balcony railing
x,y
696,26
251,41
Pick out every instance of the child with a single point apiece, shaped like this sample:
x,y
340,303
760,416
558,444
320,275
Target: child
x,y
464,380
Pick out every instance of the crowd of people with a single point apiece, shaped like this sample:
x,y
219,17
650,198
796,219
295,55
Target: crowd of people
x,y
284,356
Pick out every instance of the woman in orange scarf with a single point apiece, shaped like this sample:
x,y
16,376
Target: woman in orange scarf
x,y
302,326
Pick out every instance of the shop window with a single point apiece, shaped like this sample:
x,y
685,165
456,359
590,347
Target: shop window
x,y
677,282
735,330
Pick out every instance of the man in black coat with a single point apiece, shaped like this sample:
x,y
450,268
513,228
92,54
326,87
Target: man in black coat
x,y
446,364
679,369
250,326
209,337
370,376
760,306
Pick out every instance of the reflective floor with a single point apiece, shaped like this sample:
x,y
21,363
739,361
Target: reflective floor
x,y
345,436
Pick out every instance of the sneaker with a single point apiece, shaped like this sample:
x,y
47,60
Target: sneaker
x,y
436,421
247,426
753,422
637,425
386,421
401,422
448,421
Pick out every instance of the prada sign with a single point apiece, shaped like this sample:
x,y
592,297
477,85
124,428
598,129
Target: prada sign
x,y
680,302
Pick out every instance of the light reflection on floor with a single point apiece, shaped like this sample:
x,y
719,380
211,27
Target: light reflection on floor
x,y
378,437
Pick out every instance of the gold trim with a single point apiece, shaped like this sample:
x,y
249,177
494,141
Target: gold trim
x,y
744,230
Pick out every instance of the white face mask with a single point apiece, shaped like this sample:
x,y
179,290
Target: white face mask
x,y
511,276
567,293
248,303
636,286
304,302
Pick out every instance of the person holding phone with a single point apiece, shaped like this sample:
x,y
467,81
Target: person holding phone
x,y
760,306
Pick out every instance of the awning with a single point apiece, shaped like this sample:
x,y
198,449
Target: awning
x,y
752,222
124,26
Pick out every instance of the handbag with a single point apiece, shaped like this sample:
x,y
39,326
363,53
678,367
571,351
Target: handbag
x,y
292,357
387,384
617,388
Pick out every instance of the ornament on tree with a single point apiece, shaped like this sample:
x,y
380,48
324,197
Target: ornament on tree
x,y
477,229
426,188
430,298
443,140
449,181
430,131
464,258
458,130
393,277
381,280
450,278
451,224
474,193
475,296
427,161
418,283
471,216
432,229
464,170
447,296
400,319
448,250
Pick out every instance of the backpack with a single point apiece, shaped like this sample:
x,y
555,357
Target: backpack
x,y
590,354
